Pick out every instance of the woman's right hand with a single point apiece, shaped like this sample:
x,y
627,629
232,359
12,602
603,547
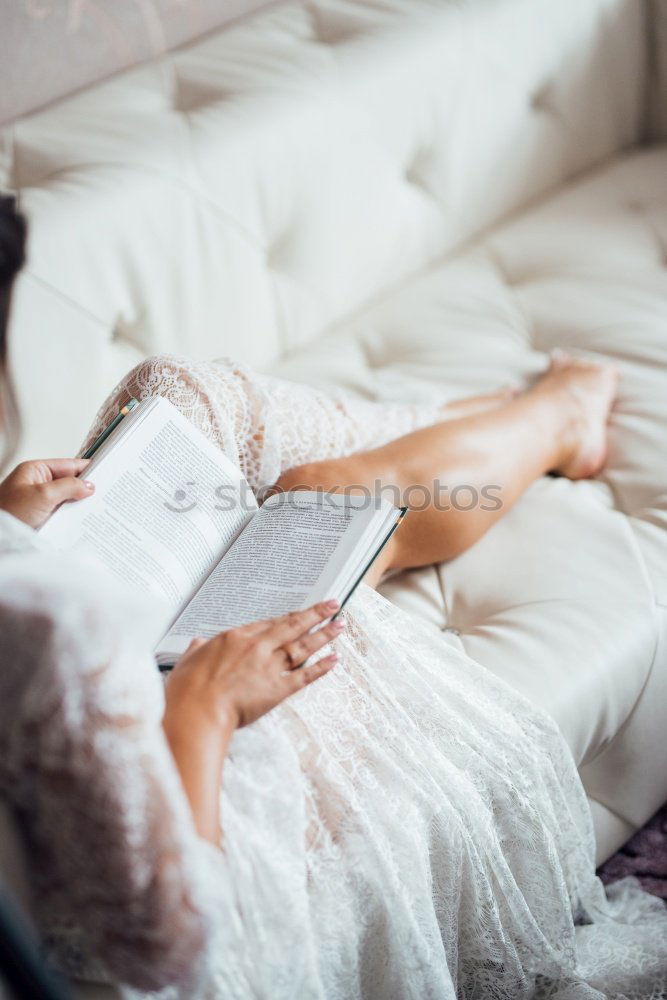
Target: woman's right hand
x,y
243,673
229,681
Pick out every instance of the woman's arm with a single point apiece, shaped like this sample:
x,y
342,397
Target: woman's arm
x,y
230,681
199,748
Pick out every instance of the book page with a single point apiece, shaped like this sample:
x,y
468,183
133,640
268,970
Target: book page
x,y
289,555
167,504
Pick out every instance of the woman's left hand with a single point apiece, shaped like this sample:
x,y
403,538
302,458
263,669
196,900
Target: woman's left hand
x,y
35,489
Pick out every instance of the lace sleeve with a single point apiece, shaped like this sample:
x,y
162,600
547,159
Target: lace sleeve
x,y
117,868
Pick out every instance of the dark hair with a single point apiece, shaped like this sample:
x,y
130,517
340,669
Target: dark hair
x,y
12,257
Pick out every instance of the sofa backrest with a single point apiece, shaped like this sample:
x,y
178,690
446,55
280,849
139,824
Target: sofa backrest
x,y
656,98
50,49
250,189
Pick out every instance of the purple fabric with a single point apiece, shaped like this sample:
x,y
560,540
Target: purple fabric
x,y
645,856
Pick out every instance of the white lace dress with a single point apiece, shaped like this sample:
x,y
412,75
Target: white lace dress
x,y
408,828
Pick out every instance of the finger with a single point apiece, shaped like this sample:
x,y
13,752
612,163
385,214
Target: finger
x,y
263,624
299,650
195,644
67,488
292,626
192,647
298,679
254,628
59,467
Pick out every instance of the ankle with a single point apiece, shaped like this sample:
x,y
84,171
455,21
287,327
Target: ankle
x,y
556,409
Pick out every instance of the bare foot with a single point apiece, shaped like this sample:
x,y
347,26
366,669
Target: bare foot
x,y
478,404
588,389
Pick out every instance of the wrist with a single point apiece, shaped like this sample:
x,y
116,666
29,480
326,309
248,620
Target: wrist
x,y
203,721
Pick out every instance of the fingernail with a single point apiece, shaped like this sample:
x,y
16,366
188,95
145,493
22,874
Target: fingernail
x,y
337,626
332,604
89,486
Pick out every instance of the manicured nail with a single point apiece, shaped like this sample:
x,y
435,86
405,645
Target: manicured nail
x,y
89,486
332,604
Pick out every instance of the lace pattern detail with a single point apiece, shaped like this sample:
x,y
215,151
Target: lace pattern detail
x,y
410,828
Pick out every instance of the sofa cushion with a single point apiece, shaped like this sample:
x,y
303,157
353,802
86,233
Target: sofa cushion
x,y
560,597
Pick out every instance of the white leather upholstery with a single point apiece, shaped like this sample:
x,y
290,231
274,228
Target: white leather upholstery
x,y
252,193
90,42
243,193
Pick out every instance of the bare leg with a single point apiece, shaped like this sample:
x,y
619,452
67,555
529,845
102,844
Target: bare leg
x,y
472,405
460,476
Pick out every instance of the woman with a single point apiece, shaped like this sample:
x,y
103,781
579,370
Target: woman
x,y
135,866
408,827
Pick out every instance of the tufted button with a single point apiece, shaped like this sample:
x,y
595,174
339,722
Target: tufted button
x,y
543,99
451,630
190,95
417,171
130,334
331,31
510,280
278,252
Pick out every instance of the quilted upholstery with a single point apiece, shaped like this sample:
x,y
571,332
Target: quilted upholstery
x,y
91,41
409,198
249,189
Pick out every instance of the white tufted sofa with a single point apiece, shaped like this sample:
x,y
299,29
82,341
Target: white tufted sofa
x,y
413,199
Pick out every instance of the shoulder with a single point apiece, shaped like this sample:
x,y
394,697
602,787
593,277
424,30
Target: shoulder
x,y
33,578
46,614
36,583
61,618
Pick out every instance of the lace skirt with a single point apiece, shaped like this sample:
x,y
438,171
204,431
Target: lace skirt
x,y
409,828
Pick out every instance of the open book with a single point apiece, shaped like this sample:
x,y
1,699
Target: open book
x,y
176,520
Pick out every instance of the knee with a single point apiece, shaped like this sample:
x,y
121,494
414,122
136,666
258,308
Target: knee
x,y
159,369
